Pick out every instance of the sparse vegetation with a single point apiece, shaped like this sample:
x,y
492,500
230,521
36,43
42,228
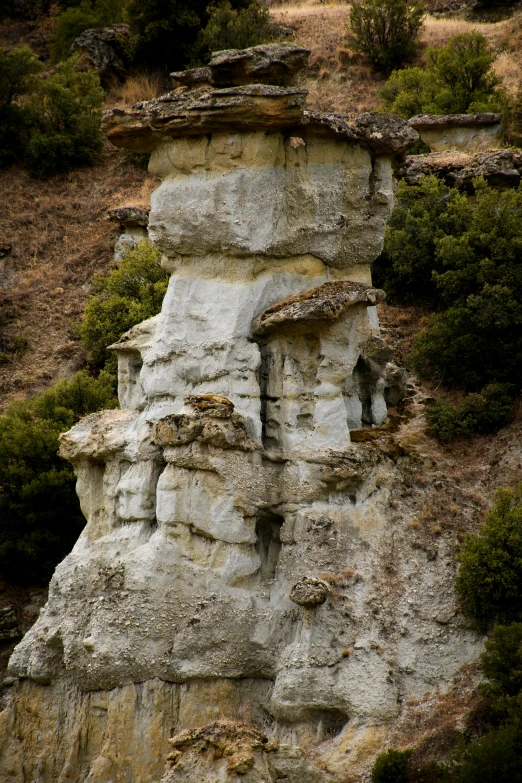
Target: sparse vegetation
x,y
386,31
236,28
481,413
392,766
458,78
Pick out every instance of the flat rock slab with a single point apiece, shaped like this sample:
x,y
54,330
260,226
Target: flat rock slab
x,y
130,216
382,133
265,64
500,168
180,113
324,303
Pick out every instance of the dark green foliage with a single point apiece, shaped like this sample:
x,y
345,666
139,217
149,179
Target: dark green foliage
x,y
126,296
466,261
165,32
386,31
489,581
64,121
496,758
69,26
40,517
50,124
423,216
502,661
391,767
477,413
231,28
457,79
18,69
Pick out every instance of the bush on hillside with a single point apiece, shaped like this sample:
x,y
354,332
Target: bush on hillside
x,y
477,413
65,121
39,509
236,28
129,294
489,581
466,261
69,26
502,661
18,69
494,758
457,79
165,32
386,31
392,766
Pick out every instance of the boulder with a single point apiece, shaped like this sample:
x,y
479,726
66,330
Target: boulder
x,y
310,592
193,77
101,49
130,216
275,63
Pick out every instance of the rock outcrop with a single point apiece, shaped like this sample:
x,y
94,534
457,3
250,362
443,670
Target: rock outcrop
x,y
102,49
500,168
246,580
460,132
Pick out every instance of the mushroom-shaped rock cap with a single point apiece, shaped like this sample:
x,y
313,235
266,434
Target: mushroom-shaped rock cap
x,y
310,592
425,121
130,216
501,168
324,303
266,64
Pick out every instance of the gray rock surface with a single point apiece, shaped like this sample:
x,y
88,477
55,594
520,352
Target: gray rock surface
x,y
102,49
461,132
275,63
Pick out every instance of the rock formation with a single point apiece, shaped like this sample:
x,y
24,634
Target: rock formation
x,y
461,132
103,50
500,168
246,582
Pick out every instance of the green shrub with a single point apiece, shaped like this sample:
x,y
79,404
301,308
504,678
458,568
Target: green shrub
x,y
231,28
40,516
129,294
495,758
386,31
466,261
392,766
458,78
502,661
477,413
18,69
489,581
65,121
165,32
69,26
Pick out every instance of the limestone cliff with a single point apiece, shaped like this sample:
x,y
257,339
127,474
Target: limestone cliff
x,y
245,583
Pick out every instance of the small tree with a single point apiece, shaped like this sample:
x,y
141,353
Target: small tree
x,y
40,516
18,69
392,766
386,31
129,294
489,581
231,28
69,26
458,79
64,121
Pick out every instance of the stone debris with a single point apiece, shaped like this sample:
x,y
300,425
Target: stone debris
x,y
310,592
9,625
130,216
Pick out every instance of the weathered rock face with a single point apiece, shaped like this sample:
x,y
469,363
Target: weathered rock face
x,y
245,557
462,132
